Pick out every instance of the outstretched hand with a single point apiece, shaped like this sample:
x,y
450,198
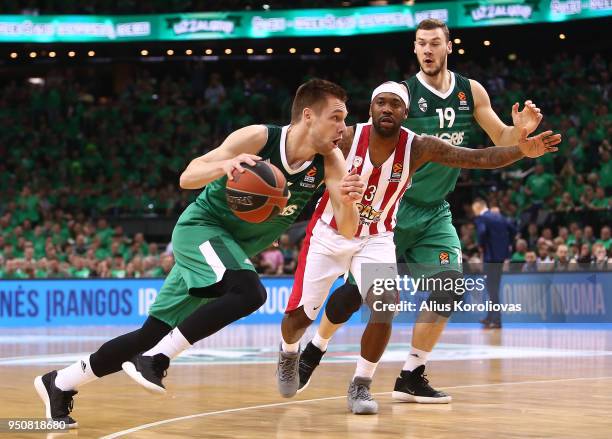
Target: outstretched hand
x,y
538,145
528,118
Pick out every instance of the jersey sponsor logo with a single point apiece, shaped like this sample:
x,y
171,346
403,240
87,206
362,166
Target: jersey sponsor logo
x,y
396,174
423,105
464,108
367,214
444,258
455,138
357,162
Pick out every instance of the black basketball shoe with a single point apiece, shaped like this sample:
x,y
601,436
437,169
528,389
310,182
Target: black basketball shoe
x,y
148,371
414,387
309,360
58,403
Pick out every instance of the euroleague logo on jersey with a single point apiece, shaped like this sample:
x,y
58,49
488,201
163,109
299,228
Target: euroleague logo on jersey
x,y
357,161
309,178
396,174
463,105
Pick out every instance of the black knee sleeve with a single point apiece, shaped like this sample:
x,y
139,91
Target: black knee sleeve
x,y
113,353
343,302
242,293
247,285
443,297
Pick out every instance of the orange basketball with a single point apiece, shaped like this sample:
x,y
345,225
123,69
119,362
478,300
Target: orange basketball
x,y
257,194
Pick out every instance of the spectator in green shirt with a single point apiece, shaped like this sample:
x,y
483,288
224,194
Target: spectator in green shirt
x,y
539,184
78,269
600,201
520,252
604,238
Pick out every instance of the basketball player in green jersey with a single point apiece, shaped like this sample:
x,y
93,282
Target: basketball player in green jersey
x,y
446,105
213,282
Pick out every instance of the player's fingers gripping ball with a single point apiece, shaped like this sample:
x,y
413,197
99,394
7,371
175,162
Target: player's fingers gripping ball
x,y
257,194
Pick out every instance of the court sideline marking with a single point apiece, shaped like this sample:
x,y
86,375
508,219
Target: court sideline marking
x,y
282,404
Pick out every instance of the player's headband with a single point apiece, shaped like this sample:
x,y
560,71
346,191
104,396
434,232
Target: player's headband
x,y
391,87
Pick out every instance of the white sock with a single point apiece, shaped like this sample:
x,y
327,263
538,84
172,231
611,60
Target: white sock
x,y
289,347
416,358
365,368
320,342
75,375
171,345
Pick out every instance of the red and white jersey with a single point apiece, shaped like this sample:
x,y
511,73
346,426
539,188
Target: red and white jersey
x,y
385,184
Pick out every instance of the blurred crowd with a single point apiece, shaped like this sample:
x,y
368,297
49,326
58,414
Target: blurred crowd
x,y
95,155
35,7
547,249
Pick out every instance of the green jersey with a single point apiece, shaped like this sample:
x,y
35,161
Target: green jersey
x,y
255,237
449,116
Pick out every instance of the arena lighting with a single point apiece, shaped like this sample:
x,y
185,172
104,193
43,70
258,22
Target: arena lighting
x,y
72,54
14,55
461,51
266,7
250,51
144,52
562,36
228,51
52,54
170,52
292,50
317,50
512,57
337,50
32,54
188,52
91,53
457,41
36,81
269,50
208,51
486,43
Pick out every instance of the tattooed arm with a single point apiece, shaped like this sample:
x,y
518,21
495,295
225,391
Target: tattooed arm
x,y
431,149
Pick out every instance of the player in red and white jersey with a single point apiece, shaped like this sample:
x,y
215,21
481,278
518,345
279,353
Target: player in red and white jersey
x,y
386,155
385,186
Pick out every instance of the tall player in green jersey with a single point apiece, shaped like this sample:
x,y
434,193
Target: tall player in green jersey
x,y
213,283
447,105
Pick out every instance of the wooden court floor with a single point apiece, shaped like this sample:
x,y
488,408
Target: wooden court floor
x,y
514,383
